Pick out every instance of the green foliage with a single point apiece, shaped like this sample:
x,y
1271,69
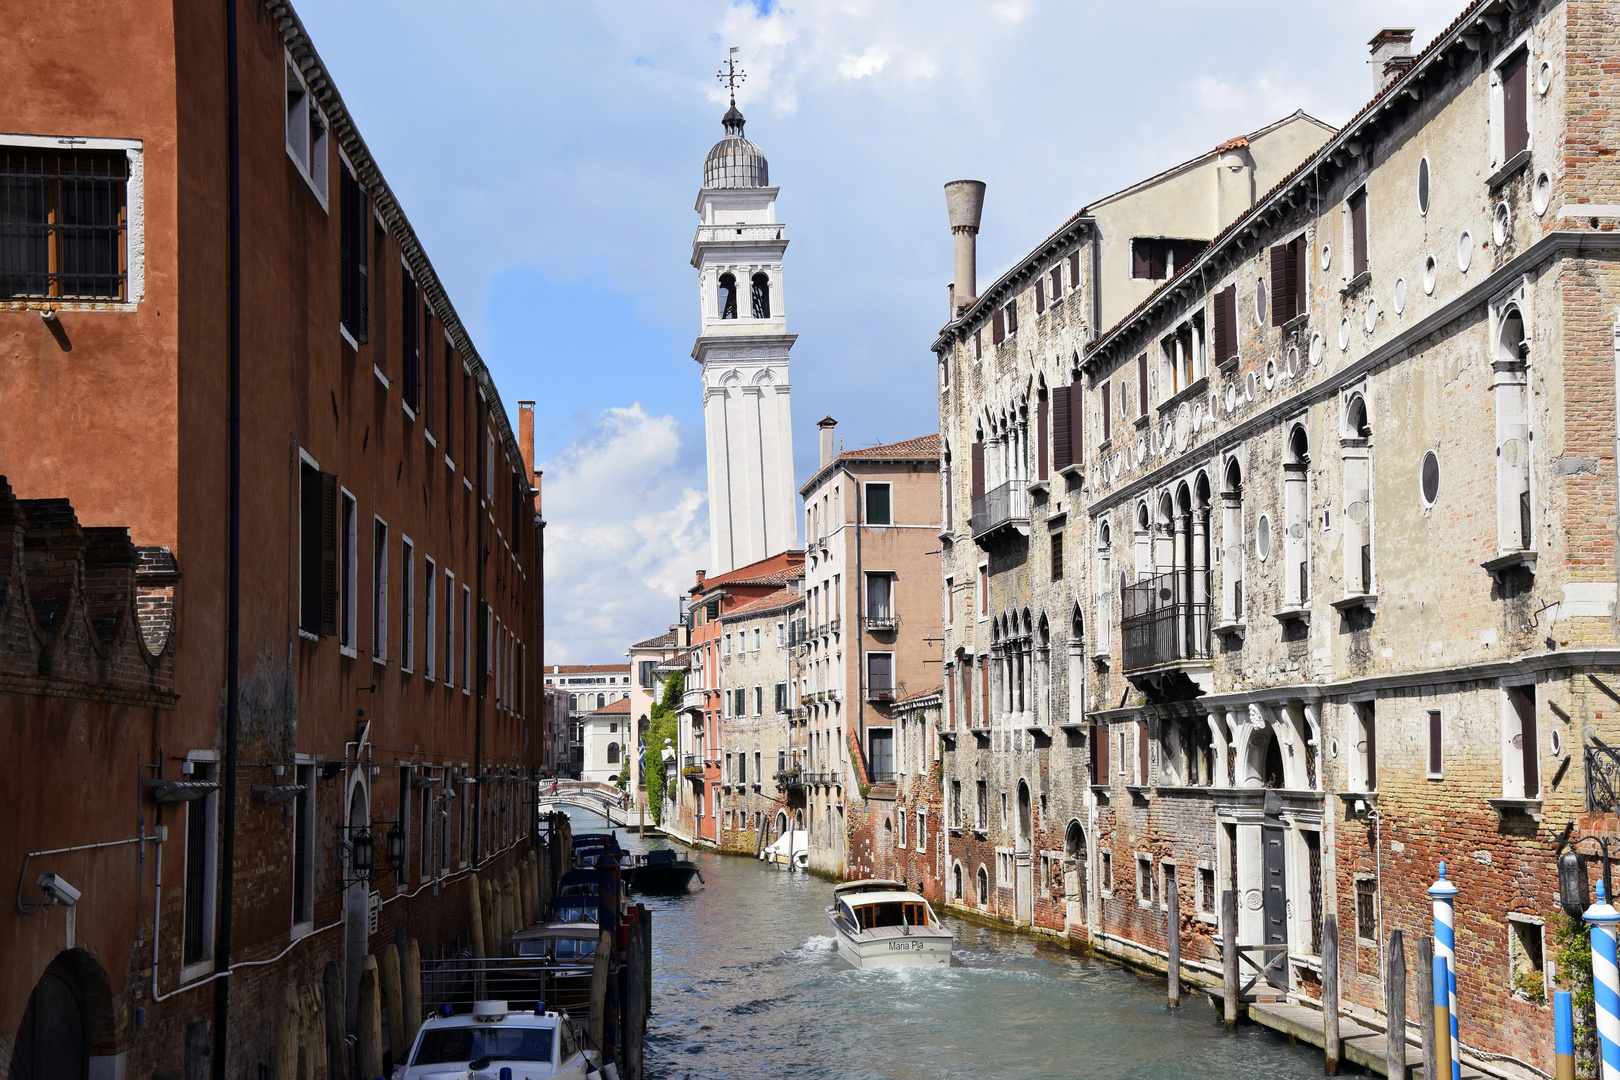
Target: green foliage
x,y
1574,959
662,723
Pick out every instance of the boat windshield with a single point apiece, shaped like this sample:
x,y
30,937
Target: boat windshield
x,y
868,916
563,949
455,1045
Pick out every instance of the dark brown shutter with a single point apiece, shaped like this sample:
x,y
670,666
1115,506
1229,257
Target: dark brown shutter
x,y
1102,752
1040,296
1302,275
1279,285
329,553
978,470
1057,282
1074,269
1062,436
1524,703
427,370
1077,422
1436,758
978,343
1515,121
1358,232
346,198
379,352
1220,344
362,265
1156,267
1141,385
1229,318
998,327
1107,412
1042,438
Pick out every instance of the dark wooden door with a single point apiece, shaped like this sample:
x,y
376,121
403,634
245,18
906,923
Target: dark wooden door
x,y
1274,877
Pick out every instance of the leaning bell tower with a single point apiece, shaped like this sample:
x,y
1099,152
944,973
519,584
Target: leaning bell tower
x,y
742,349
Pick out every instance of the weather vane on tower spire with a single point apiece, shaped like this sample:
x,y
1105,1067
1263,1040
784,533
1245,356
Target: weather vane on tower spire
x,y
731,74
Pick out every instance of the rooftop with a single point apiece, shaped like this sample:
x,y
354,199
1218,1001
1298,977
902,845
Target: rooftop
x,y
779,599
665,640
618,708
620,668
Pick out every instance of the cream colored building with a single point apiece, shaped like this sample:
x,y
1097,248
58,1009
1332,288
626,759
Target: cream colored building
x,y
759,702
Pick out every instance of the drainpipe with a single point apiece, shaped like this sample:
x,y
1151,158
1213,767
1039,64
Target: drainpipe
x,y
860,628
484,629
233,617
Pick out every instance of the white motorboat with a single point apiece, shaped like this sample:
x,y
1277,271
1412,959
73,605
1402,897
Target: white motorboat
x,y
881,923
496,1040
791,849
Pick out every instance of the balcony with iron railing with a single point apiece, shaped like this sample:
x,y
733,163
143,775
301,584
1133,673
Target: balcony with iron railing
x,y
882,691
882,621
1162,625
1004,508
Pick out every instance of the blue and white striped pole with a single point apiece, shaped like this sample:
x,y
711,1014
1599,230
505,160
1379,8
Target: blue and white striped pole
x,y
1444,895
1563,1036
1606,981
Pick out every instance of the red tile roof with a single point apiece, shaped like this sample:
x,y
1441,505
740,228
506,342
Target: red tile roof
x,y
932,692
620,706
622,667
923,446
662,641
777,599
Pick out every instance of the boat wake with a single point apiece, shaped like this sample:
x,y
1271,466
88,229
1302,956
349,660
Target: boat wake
x,y
817,948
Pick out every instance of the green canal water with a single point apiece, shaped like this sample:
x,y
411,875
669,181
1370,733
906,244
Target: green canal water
x,y
747,983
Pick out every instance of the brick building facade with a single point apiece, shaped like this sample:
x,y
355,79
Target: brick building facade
x,y
375,683
1336,508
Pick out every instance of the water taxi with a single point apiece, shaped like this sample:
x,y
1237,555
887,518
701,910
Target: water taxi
x,y
497,1040
880,923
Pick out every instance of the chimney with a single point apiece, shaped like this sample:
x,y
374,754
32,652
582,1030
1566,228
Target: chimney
x,y
526,435
964,203
1391,54
827,425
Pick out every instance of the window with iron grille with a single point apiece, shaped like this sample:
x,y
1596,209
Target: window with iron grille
x,y
1206,890
1367,910
64,220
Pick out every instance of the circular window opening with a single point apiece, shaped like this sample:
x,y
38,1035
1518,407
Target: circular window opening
x,y
1231,397
1515,452
1293,361
1317,348
1431,272
1501,221
1271,373
1556,741
1465,250
1262,537
1543,77
1260,301
1430,478
1344,333
1333,747
1369,318
1327,255
1400,295
1423,187
1541,193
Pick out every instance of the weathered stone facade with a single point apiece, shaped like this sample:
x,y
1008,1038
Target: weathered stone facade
x,y
756,675
1341,522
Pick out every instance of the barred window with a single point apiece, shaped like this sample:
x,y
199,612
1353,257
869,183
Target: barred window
x,y
63,223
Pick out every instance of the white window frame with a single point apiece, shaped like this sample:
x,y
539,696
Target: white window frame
x,y
866,505
922,829
313,154
210,876
407,604
134,216
348,572
304,773
379,592
1498,102
982,602
900,828
1105,873
450,629
1144,873
1347,268
466,640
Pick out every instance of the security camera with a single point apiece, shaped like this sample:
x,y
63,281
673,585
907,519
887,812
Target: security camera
x,y
58,890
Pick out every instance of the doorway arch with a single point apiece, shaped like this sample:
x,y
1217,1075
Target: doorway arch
x,y
68,1021
1074,872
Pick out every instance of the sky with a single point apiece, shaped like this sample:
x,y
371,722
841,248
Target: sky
x,y
549,154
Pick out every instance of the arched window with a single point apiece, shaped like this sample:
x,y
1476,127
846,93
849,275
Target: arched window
x,y
1355,449
760,296
1074,868
956,880
573,703
1104,618
613,753
1297,517
1232,542
984,886
728,296
601,701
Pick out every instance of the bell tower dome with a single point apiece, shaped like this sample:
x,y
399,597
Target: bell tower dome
x,y
742,349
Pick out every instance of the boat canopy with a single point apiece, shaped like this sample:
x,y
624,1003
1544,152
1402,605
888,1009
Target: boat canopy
x,y
869,885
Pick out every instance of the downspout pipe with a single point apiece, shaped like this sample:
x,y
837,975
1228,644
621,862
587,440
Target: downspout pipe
x,y
858,619
233,610
484,635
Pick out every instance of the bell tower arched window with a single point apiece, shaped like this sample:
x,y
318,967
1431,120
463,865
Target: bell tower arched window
x,y
728,296
760,296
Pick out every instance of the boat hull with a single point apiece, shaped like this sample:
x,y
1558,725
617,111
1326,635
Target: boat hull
x,y
661,880
921,948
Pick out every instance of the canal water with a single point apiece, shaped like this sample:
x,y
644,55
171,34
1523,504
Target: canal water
x,y
747,983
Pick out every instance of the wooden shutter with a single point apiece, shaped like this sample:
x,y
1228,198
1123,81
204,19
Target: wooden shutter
x,y
1141,385
978,343
1040,296
1280,279
1302,275
1077,423
1057,282
1524,703
411,340
329,553
1156,265
427,369
1220,344
346,196
1139,259
1515,121
1107,411
362,264
998,327
1074,269
1062,436
1042,438
1225,335
379,353
1436,757
1358,232
978,471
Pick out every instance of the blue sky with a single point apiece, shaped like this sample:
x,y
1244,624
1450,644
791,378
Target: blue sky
x,y
549,155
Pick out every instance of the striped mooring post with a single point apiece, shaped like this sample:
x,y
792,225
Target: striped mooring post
x,y
1606,981
1444,895
1563,1036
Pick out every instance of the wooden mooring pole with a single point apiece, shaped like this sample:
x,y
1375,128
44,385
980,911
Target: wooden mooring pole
x,y
1423,963
1173,941
1395,1006
1330,995
1229,956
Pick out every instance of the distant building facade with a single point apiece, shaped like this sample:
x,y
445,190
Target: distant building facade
x,y
763,795
589,687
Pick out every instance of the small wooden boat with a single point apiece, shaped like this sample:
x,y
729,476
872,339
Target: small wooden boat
x,y
881,923
661,872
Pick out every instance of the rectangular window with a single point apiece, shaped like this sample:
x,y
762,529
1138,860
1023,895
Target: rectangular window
x,y
1515,104
1290,264
1148,259
410,336
978,343
1364,747
1057,282
900,829
739,702
1526,959
430,587
1040,297
1099,753
1436,754
466,640
317,551
1206,890
306,132
303,853
1521,765
449,628
379,590
1141,733
998,326
880,675
449,395
781,697
759,701
1223,322
1367,911
1057,556
1074,269
879,599
1107,412
878,510
1142,385
1144,881
407,604
1012,315
756,639
1168,883
63,224
202,852
348,572
922,829
427,369
354,211
1105,874
982,820
1356,207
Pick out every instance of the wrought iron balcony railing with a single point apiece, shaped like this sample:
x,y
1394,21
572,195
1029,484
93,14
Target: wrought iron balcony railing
x,y
1162,624
1007,505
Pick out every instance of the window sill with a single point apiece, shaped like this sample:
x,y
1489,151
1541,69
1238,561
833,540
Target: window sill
x,y
1356,283
1530,808
1510,168
1072,724
348,338
1235,628
1296,322
1040,487
193,972
1193,389
381,377
1141,422
467,480
380,661
451,465
305,635
348,650
1360,600
1229,365
1358,804
431,441
1511,560
1139,791
1101,659
1292,614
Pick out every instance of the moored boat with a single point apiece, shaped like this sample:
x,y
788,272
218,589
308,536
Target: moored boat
x,y
661,872
497,1039
881,923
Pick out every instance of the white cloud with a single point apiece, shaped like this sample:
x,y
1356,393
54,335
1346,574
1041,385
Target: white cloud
x,y
626,525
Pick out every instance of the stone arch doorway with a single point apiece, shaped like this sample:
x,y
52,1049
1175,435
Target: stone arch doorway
x,y
68,1022
1024,868
356,902
1074,873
